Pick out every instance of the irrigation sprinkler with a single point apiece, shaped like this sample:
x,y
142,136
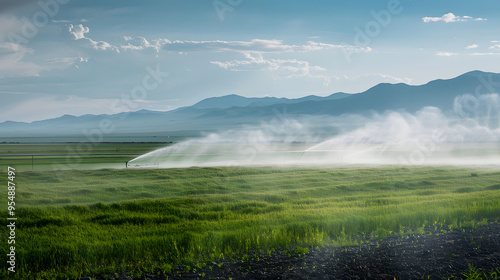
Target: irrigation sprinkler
x,y
142,165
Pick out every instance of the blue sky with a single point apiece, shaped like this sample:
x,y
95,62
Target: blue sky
x,y
100,57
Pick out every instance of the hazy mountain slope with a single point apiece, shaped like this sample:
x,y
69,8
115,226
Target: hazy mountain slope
x,y
232,111
382,97
233,100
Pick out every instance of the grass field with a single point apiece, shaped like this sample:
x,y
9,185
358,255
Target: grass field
x,y
88,222
56,156
80,148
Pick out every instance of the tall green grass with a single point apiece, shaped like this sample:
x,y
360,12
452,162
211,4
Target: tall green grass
x,y
73,223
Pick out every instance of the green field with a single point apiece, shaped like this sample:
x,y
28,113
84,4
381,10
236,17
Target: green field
x,y
74,223
57,156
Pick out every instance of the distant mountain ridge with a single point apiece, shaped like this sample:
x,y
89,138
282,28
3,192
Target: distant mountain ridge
x,y
234,100
232,111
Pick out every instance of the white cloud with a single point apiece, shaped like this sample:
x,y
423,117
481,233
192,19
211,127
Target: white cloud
x,y
141,43
473,46
488,53
290,68
386,78
373,78
101,45
445,54
61,21
65,62
492,48
12,64
78,31
254,45
450,17
253,51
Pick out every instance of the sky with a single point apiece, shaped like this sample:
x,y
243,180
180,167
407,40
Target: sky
x,y
81,57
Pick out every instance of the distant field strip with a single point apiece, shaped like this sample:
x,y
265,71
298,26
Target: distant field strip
x,y
56,156
89,222
61,155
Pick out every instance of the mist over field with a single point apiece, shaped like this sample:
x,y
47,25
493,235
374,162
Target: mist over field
x,y
469,134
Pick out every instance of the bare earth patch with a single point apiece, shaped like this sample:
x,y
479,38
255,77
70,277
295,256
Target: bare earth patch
x,y
434,255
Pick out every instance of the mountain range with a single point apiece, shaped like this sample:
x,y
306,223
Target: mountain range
x,y
231,111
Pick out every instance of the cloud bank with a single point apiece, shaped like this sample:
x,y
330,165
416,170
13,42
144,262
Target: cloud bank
x,y
290,68
254,45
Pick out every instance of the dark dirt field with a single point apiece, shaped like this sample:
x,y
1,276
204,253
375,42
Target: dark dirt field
x,y
434,255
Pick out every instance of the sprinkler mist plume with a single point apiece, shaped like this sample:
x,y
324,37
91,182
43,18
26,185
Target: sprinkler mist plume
x,y
398,138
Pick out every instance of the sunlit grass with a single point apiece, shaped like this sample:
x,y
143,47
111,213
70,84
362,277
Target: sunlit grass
x,y
89,222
